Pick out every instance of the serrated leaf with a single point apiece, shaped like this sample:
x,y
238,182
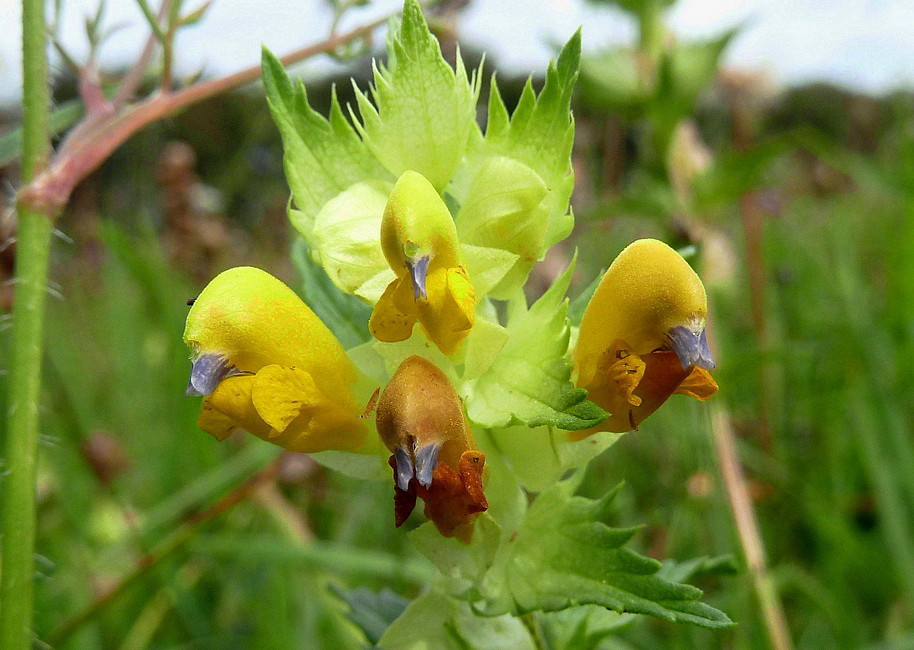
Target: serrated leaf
x,y
581,627
700,566
540,456
685,71
486,267
505,208
372,611
564,555
540,134
484,342
464,564
322,156
437,621
529,381
616,80
689,69
423,110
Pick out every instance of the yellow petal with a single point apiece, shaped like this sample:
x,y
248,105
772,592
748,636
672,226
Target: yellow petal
x,y
449,313
416,222
214,422
280,394
394,316
647,290
253,320
232,398
321,428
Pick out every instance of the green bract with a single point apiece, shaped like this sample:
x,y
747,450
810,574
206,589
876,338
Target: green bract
x,y
509,188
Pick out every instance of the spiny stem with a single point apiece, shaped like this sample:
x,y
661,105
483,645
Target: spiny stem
x,y
34,242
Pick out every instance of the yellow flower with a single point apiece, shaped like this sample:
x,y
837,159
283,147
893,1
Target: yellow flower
x,y
264,362
432,287
421,420
642,337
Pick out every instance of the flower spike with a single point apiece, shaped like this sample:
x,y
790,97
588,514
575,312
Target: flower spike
x,y
420,419
264,362
432,287
643,336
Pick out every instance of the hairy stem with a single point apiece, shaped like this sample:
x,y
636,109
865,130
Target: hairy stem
x,y
34,242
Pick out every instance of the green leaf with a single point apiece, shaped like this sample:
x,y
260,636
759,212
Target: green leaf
x,y
581,627
685,72
437,621
540,134
564,555
61,118
540,456
487,267
697,567
529,381
423,110
579,305
322,157
732,174
615,80
346,316
372,611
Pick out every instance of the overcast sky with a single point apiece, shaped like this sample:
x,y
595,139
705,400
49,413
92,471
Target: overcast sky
x,y
864,44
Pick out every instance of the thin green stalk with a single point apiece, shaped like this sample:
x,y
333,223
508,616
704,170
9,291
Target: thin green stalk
x,y
34,242
652,30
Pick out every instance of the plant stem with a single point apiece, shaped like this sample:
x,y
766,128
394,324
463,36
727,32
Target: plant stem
x,y
92,141
34,242
747,529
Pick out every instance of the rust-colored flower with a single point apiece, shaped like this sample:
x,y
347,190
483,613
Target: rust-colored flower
x,y
421,420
